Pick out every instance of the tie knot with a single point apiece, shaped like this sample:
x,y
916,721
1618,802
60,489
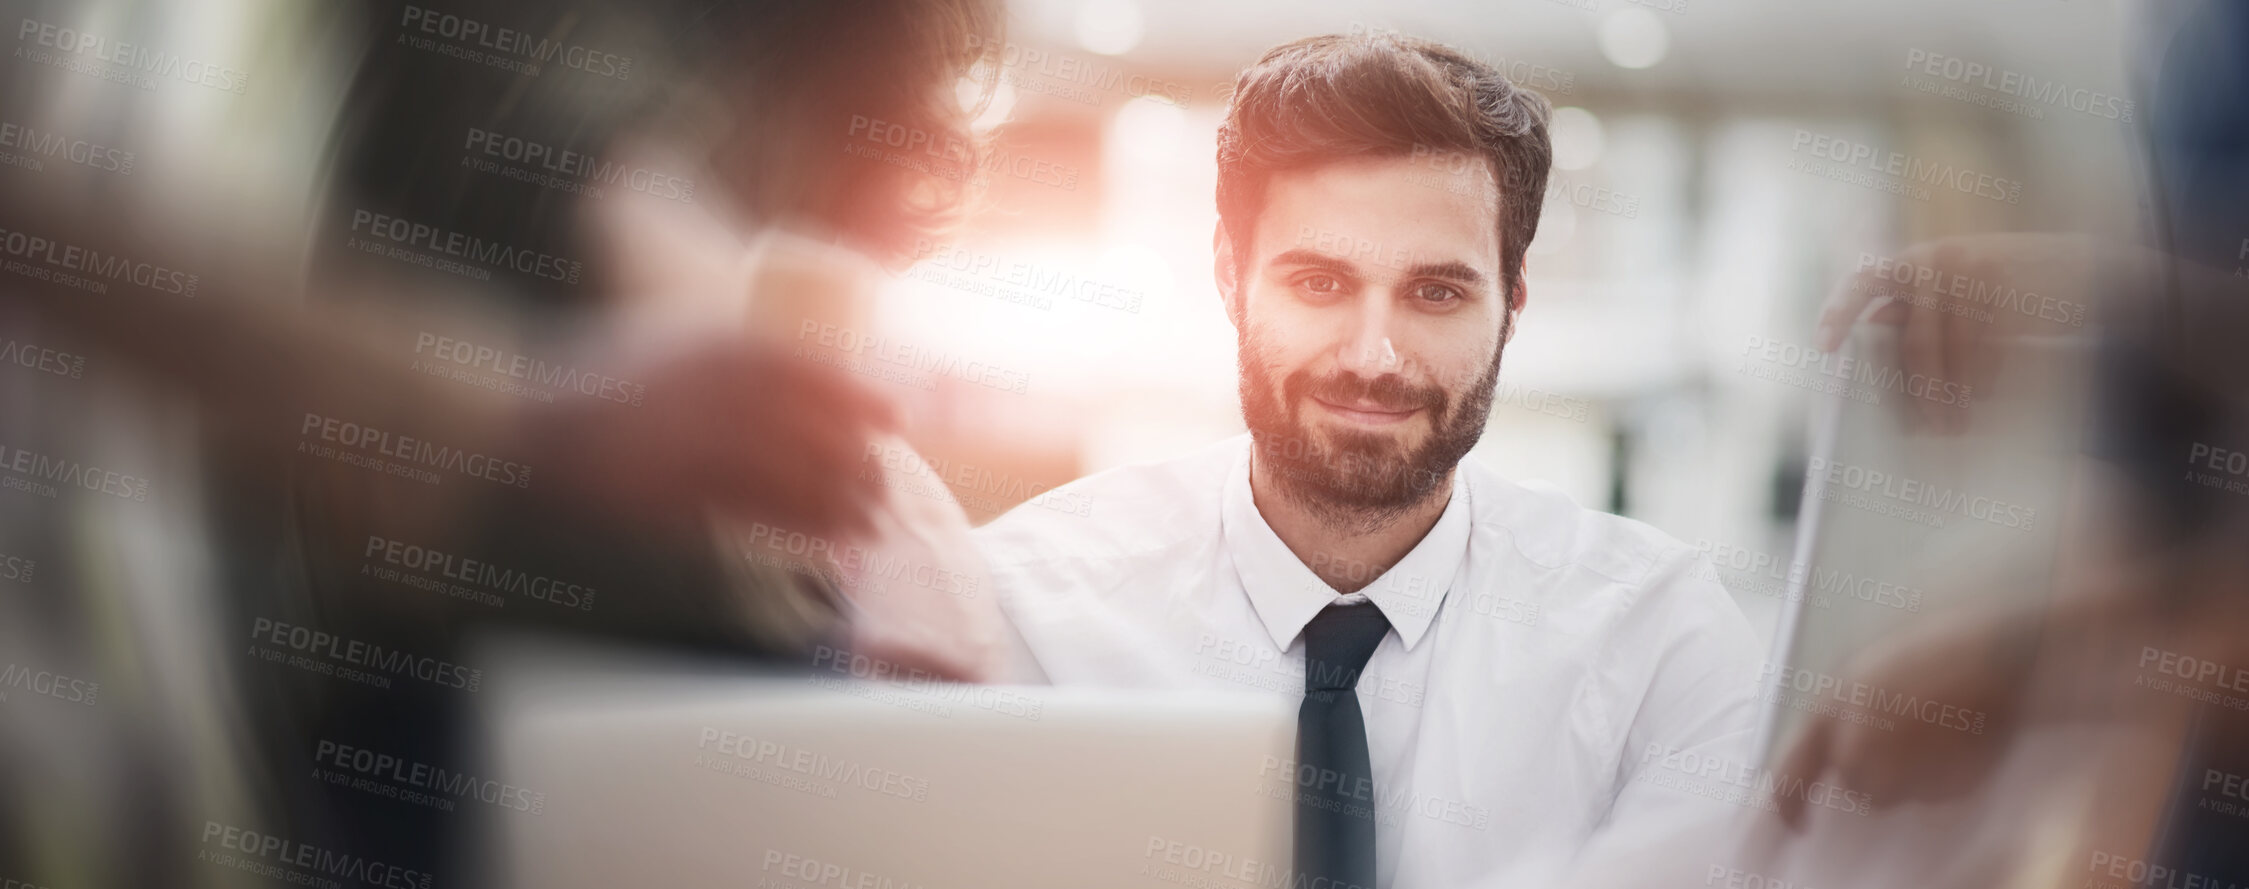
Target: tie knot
x,y
1337,644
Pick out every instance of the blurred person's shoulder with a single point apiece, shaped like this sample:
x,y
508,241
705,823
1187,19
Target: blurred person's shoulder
x,y
1585,556
1141,513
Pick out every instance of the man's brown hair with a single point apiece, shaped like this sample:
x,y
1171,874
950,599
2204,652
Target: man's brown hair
x,y
1323,99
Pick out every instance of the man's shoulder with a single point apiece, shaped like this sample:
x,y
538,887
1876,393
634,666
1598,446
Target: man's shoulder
x,y
1623,581
1118,514
1546,526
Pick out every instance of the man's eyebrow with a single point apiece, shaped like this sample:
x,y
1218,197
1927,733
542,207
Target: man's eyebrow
x,y
1454,270
1316,259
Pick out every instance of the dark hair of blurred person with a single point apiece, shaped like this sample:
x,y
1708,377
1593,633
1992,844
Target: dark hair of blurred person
x,y
768,91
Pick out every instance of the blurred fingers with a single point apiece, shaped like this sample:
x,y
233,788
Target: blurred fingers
x,y
1921,349
1806,762
1966,356
1844,304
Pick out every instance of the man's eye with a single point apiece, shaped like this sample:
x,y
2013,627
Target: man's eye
x,y
1436,293
1324,285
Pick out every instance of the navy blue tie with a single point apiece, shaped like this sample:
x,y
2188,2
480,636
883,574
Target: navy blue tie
x,y
1335,798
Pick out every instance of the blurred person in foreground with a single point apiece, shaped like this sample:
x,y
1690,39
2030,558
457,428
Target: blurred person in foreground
x,y
2116,753
315,614
1477,662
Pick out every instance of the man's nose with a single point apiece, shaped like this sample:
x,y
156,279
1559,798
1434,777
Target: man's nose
x,y
1368,348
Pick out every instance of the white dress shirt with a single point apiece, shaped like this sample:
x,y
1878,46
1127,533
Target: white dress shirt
x,y
1546,663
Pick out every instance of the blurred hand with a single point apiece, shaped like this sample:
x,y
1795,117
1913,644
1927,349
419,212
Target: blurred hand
x,y
1956,300
733,425
921,597
1963,680
916,601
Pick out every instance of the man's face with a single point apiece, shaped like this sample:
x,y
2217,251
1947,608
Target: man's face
x,y
1371,312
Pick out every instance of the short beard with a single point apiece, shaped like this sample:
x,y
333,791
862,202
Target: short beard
x,y
1361,482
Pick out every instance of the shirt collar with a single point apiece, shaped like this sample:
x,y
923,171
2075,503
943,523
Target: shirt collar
x,y
1287,594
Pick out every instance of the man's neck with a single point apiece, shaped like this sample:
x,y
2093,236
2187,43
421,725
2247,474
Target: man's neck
x,y
1348,555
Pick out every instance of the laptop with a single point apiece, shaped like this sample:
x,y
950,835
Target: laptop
x,y
687,779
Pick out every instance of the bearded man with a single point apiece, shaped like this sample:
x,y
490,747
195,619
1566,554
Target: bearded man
x,y
1489,677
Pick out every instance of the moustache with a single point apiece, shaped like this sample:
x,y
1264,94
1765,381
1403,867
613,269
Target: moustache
x,y
1389,392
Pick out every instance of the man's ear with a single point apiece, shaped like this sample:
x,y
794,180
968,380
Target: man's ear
x,y
1226,273
1516,300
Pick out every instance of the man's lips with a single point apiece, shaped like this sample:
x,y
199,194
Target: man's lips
x,y
1366,413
